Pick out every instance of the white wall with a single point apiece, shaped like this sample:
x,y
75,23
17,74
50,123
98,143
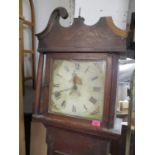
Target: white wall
x,y
91,10
43,10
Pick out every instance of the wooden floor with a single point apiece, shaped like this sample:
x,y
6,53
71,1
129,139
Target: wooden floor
x,y
34,131
38,139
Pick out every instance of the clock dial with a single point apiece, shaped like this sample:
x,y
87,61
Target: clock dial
x,y
77,88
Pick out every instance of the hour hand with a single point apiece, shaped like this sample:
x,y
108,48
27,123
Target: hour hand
x,y
77,80
75,90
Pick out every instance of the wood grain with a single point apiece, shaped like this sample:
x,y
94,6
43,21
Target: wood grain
x,y
21,111
38,139
36,107
74,135
79,37
116,30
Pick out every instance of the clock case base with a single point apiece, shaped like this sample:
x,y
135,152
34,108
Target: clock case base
x,y
69,138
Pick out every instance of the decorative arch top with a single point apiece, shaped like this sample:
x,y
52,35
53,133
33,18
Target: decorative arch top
x,y
104,36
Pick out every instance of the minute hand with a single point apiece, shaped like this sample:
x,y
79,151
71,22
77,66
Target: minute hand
x,y
66,89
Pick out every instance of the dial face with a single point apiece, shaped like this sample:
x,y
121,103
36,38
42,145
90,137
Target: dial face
x,y
77,88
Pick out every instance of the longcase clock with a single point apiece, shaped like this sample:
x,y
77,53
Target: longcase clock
x,y
76,99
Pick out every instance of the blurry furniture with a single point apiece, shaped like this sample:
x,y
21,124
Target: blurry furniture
x,y
130,141
21,113
28,24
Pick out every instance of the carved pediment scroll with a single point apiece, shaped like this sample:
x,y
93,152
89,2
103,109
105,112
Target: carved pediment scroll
x,y
79,37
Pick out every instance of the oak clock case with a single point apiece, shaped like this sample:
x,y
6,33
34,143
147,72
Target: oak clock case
x,y
80,85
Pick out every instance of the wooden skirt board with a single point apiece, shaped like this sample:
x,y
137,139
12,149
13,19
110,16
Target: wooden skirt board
x,y
64,142
38,139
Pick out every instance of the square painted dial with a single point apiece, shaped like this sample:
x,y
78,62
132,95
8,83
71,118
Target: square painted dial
x,y
77,88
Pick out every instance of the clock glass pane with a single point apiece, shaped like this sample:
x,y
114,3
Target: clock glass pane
x,y
77,88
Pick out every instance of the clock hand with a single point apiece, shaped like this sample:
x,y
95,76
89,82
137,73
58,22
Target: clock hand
x,y
77,80
75,89
65,89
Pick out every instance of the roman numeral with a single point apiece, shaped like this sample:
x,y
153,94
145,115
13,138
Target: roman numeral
x,y
98,67
56,85
94,78
92,100
77,66
86,69
59,75
63,104
96,89
85,107
57,94
73,108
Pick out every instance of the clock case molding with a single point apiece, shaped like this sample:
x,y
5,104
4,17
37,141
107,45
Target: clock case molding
x,y
104,36
79,41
